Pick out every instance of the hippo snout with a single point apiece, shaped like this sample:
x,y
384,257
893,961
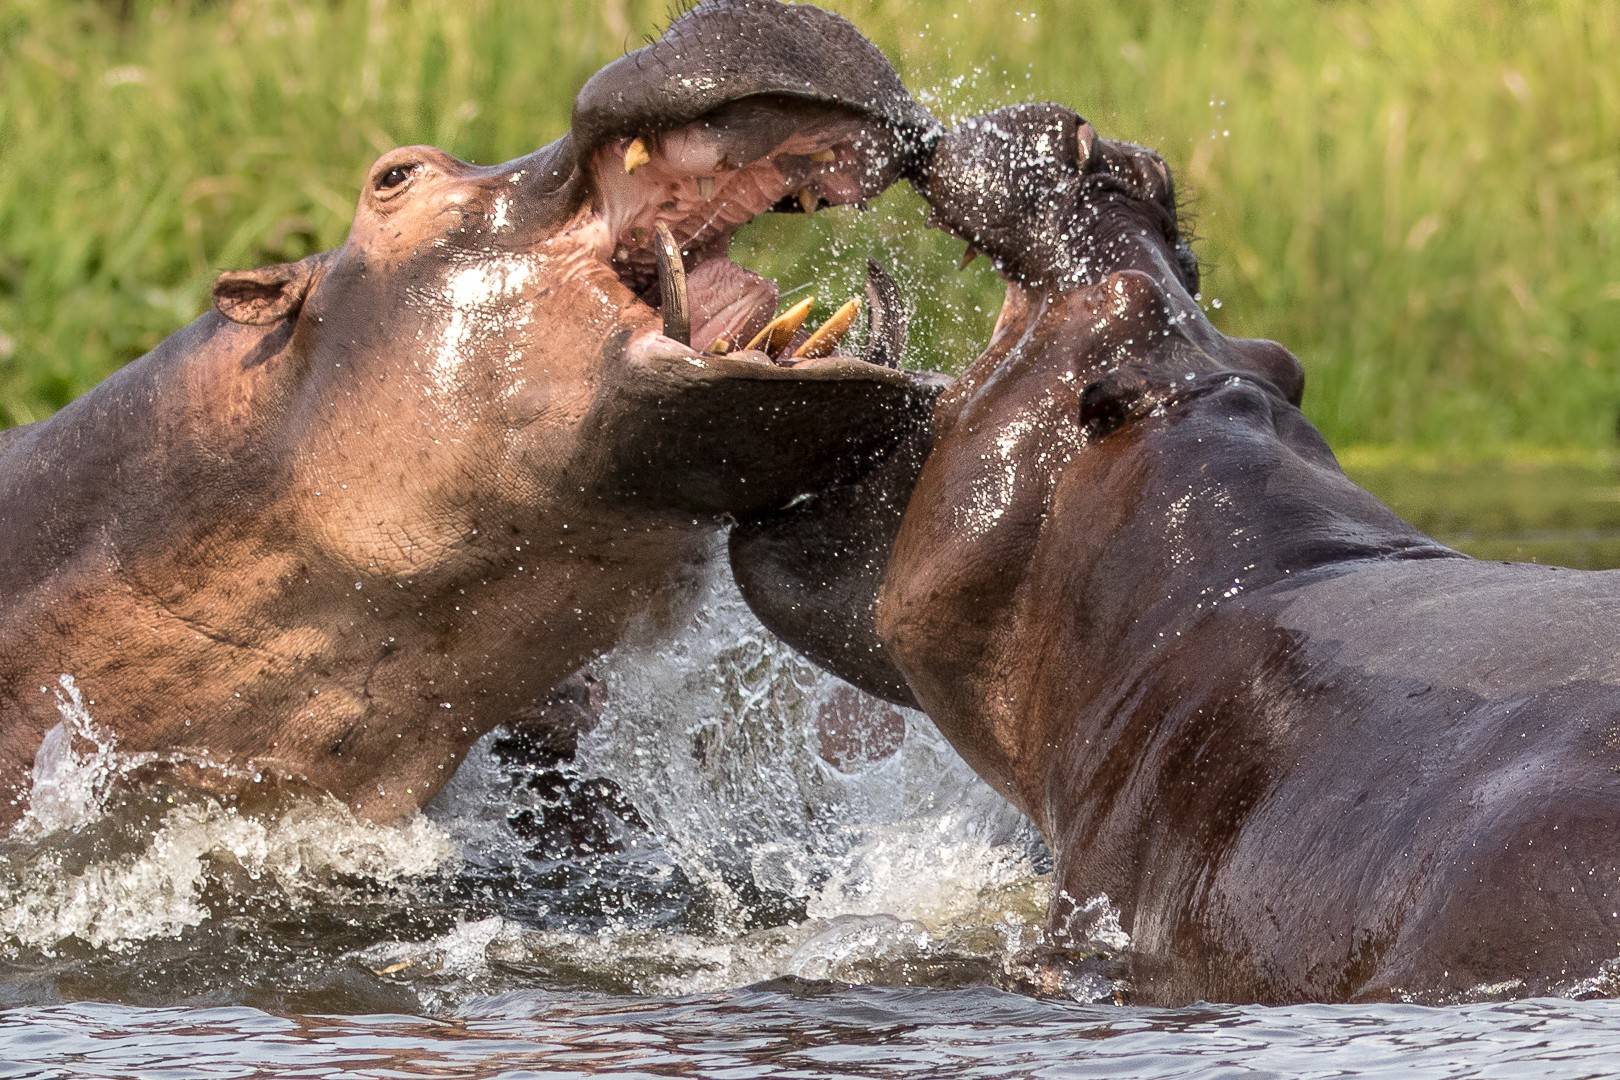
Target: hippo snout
x,y
1035,188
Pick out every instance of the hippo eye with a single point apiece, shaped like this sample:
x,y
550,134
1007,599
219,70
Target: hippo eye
x,y
394,178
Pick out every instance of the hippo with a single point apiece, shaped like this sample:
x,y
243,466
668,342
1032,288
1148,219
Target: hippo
x,y
1308,752
381,500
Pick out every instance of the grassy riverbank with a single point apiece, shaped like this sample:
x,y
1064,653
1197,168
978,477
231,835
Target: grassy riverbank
x,y
1423,200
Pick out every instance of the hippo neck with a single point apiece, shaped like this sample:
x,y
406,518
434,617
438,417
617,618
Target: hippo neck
x,y
1229,495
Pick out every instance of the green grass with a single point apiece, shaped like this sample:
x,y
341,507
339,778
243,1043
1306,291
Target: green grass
x,y
1422,200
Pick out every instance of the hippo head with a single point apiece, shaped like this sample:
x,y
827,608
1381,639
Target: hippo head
x,y
568,326
1051,429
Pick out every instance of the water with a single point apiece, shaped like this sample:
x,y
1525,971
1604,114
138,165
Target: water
x,y
787,1029
700,894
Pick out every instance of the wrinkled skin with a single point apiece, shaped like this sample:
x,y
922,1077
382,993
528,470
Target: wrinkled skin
x,y
381,500
1309,752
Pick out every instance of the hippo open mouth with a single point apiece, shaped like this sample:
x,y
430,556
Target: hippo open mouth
x,y
672,202
684,144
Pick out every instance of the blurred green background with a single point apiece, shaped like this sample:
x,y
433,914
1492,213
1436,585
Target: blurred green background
x,y
1421,200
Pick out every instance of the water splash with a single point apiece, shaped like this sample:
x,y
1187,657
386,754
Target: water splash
x,y
905,870
108,893
715,738
98,863
74,768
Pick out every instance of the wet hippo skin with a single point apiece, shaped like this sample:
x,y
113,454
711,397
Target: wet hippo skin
x,y
1310,753
383,499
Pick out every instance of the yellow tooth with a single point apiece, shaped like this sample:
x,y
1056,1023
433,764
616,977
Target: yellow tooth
x,y
830,333
780,330
720,347
636,155
809,200
967,257
824,157
705,187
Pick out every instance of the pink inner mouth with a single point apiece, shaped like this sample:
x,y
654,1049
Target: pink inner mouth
x,y
704,182
729,302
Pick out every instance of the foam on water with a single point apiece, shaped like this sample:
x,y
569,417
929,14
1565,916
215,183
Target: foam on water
x,y
157,890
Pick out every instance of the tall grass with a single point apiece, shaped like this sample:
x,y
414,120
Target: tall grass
x,y
1422,200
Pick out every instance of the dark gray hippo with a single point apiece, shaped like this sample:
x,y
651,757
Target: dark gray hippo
x,y
384,499
1309,752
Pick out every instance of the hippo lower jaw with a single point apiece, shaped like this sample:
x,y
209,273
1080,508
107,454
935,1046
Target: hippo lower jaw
x,y
667,204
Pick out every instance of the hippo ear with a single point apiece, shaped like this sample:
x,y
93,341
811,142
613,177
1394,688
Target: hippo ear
x,y
266,295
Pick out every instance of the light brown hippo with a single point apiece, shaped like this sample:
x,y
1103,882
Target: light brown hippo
x,y
1309,752
383,499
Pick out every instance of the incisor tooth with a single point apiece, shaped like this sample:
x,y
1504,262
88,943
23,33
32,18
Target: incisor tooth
x,y
720,347
636,155
967,257
824,157
780,330
705,187
830,333
809,200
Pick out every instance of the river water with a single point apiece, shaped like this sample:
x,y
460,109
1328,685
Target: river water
x,y
701,894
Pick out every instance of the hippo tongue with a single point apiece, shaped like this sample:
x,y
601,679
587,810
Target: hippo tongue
x,y
728,301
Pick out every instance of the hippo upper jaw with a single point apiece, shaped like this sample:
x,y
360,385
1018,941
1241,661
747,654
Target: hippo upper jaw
x,y
1052,204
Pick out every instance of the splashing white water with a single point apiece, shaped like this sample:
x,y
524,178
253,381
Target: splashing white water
x,y
906,870
69,874
713,736
157,890
74,768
